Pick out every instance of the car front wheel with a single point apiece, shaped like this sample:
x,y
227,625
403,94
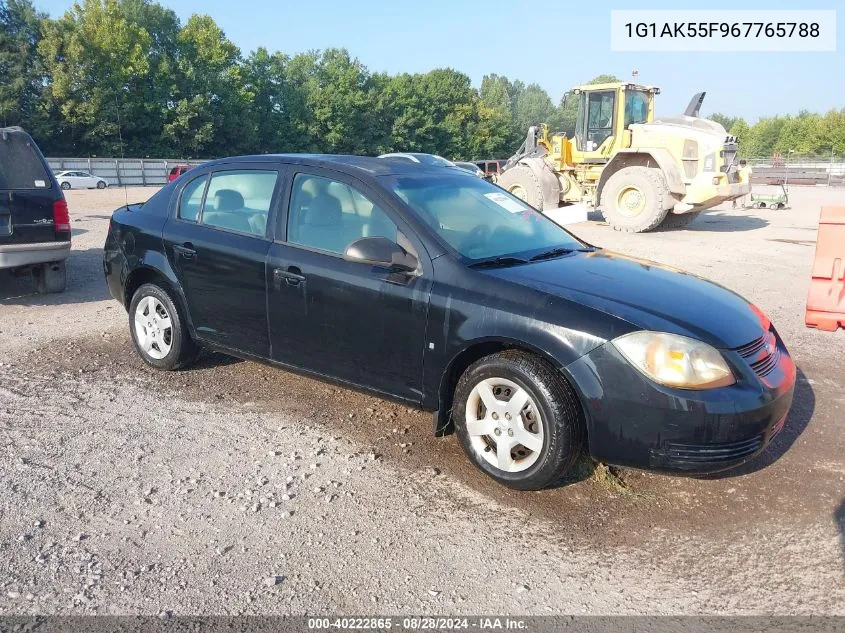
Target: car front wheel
x,y
158,329
518,420
101,185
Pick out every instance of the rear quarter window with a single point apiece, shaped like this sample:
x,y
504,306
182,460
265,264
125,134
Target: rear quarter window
x,y
21,165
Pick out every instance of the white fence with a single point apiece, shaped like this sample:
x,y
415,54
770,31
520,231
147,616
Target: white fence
x,y
122,171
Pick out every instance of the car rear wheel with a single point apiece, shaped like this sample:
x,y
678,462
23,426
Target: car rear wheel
x,y
518,420
158,329
101,185
65,186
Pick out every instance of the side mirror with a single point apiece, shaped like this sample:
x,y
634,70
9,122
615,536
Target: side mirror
x,y
381,252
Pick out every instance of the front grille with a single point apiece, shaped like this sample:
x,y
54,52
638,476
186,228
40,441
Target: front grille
x,y
765,366
680,454
762,354
750,349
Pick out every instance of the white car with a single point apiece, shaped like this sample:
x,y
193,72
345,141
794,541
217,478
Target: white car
x,y
80,180
419,157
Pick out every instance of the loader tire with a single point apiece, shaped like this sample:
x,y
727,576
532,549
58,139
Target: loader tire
x,y
678,221
523,183
635,199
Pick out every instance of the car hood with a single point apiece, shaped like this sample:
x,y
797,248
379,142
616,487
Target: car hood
x,y
648,295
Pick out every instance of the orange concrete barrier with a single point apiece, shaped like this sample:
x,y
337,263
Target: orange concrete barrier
x,y
826,301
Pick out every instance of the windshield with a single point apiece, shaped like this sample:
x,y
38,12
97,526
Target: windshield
x,y
478,219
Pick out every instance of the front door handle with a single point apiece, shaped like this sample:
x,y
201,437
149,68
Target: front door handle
x,y
292,276
186,250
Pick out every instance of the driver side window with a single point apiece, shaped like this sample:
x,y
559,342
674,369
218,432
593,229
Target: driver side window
x,y
329,215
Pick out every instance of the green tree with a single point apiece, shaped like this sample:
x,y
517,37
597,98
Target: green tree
x,y
20,67
533,106
740,129
726,121
210,97
340,98
95,59
763,136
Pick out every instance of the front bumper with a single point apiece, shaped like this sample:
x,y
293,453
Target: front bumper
x,y
16,255
632,421
702,193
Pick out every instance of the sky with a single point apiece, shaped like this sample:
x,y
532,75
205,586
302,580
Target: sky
x,y
554,44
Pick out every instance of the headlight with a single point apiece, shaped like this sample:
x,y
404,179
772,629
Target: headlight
x,y
675,361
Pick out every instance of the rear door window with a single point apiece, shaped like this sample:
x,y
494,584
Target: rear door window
x,y
191,200
20,163
240,201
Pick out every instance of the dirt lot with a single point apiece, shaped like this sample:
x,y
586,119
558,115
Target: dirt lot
x,y
237,488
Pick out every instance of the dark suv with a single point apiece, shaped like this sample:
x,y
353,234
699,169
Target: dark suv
x,y
34,219
436,288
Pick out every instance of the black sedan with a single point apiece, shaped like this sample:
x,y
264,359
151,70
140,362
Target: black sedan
x,y
438,289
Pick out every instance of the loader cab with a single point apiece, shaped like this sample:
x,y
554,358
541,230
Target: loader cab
x,y
605,112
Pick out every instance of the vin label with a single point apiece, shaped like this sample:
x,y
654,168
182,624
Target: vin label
x,y
723,30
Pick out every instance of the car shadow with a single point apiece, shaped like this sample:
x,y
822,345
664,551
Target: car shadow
x,y
839,518
803,406
85,283
209,360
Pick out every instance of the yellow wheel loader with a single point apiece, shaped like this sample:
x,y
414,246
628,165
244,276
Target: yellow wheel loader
x,y
641,172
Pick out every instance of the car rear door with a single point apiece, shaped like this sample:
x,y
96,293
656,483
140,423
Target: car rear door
x,y
217,240
27,193
345,320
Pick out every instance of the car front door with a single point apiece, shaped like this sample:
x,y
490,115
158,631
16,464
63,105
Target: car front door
x,y
217,241
349,321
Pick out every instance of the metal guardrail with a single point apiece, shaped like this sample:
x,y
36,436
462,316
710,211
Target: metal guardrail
x,y
800,169
121,172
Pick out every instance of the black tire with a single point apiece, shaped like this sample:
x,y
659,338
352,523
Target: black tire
x,y
557,403
65,186
678,221
652,186
183,351
50,277
521,178
101,185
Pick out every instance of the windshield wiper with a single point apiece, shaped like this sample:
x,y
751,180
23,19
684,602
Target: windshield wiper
x,y
499,262
555,252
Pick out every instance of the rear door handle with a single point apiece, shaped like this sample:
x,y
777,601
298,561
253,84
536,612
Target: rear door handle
x,y
292,276
186,250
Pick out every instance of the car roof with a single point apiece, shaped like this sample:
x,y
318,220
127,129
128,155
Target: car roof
x,y
350,164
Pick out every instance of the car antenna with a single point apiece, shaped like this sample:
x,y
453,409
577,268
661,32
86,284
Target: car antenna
x,y
122,157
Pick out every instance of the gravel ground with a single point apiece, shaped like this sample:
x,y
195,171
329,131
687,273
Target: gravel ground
x,y
237,488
